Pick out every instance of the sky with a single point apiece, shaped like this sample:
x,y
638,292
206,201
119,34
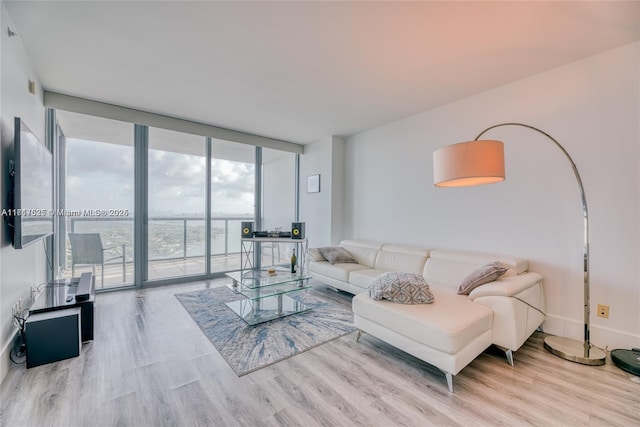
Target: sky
x,y
100,176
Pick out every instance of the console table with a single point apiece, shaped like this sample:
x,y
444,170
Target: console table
x,y
248,245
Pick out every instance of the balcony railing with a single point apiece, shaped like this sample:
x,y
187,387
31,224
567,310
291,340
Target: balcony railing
x,y
170,237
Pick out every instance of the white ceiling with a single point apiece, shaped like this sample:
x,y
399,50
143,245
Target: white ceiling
x,y
299,71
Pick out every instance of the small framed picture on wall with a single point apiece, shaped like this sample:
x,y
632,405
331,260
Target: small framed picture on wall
x,y
313,183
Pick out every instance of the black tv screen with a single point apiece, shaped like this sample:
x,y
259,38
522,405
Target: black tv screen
x,y
33,188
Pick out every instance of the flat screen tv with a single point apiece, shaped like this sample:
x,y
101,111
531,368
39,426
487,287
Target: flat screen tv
x,y
32,209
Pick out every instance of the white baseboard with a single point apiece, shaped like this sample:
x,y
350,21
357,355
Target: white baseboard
x,y
5,361
601,337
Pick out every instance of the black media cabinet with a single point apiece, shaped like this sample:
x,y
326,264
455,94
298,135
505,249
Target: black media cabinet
x,y
69,293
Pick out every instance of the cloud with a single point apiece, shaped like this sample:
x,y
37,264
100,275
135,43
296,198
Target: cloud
x,y
176,182
100,176
230,177
88,157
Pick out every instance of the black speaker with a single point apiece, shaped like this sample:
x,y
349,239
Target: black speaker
x,y
247,230
297,230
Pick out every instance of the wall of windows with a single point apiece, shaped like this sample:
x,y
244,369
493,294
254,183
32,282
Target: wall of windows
x,y
192,196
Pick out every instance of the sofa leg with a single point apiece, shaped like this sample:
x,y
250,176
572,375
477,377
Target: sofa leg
x,y
359,335
449,381
509,354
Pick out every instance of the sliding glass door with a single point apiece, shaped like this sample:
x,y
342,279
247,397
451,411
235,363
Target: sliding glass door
x,y
95,165
176,204
232,200
278,202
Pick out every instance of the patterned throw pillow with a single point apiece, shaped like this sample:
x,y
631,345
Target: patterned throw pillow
x,y
403,288
480,276
336,255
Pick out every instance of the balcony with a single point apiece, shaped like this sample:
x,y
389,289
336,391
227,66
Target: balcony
x,y
176,247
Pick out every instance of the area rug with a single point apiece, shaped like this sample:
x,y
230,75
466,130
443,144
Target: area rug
x,y
248,348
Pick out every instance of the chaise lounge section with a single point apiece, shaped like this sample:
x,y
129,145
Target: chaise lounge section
x,y
453,330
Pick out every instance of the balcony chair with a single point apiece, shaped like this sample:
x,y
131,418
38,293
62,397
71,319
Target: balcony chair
x,y
87,249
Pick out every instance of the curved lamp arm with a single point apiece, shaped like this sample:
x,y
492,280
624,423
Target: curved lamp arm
x,y
587,344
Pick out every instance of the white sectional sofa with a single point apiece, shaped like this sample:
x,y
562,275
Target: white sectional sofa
x,y
453,330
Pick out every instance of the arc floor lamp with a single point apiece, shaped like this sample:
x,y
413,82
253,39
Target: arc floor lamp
x,y
480,162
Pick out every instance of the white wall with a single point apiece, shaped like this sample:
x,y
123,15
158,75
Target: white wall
x,y
19,269
592,108
323,212
337,189
315,208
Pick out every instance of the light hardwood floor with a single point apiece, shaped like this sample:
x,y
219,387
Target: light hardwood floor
x,y
150,365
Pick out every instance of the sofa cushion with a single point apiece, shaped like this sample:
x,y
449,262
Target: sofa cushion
x,y
406,249
401,258
362,278
480,276
364,252
449,268
369,244
403,288
336,271
448,324
336,255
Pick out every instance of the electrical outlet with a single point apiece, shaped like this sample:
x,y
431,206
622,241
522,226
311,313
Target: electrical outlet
x,y
603,311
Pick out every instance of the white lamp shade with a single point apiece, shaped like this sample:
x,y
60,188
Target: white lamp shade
x,y
469,163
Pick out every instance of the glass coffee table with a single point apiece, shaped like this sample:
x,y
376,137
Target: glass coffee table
x,y
265,295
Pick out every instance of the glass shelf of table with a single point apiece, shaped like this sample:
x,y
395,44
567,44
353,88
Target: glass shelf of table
x,y
268,291
258,311
261,278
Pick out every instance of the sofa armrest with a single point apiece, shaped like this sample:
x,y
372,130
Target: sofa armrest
x,y
506,286
313,254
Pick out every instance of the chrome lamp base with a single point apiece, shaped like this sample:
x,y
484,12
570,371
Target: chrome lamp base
x,y
573,350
